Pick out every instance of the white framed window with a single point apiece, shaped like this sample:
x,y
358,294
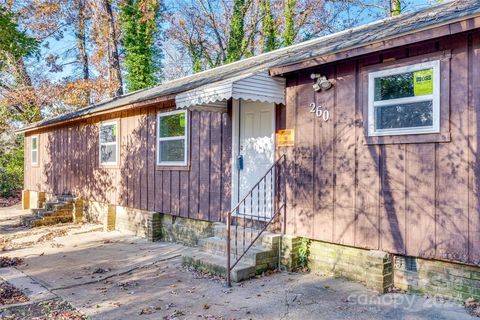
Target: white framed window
x,y
108,143
34,150
404,100
172,142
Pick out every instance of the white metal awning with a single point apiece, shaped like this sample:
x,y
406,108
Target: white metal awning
x,y
254,87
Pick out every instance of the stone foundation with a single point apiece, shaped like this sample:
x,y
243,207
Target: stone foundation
x,y
381,271
373,268
437,278
151,225
184,230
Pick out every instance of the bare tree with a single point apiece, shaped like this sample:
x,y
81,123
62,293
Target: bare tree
x,y
115,73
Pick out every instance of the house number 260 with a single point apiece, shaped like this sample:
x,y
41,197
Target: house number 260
x,y
319,112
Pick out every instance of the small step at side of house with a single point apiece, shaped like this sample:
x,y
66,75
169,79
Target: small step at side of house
x,y
211,253
57,210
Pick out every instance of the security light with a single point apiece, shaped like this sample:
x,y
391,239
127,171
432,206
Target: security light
x,y
321,82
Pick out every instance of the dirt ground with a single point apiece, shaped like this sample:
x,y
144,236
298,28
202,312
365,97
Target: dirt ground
x,y
110,275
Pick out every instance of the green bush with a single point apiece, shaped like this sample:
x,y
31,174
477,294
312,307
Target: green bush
x,y
11,169
304,252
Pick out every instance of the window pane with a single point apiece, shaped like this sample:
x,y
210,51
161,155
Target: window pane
x,y
108,133
34,143
34,156
404,85
173,125
172,150
409,115
108,154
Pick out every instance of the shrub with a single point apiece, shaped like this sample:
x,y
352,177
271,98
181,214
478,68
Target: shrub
x,y
304,252
11,169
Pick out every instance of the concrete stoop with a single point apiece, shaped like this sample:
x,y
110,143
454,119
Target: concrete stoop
x,y
60,209
211,255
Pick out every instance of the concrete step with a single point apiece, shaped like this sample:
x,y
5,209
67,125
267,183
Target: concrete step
x,y
65,197
58,205
267,239
216,265
28,220
58,214
48,221
44,213
257,255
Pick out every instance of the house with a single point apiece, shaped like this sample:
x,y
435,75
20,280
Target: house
x,y
376,134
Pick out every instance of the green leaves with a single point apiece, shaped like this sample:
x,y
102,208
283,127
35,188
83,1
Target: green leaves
x,y
236,42
269,28
11,168
139,24
289,32
13,42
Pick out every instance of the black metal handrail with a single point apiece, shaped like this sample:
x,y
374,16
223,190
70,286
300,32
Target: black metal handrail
x,y
274,198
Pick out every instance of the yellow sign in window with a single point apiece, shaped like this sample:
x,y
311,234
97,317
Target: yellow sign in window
x,y
286,138
423,82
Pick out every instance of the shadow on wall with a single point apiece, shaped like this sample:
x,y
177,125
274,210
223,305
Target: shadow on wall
x,y
407,199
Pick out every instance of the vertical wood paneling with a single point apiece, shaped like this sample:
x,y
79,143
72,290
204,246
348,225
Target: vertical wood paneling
x,y
474,140
175,192
166,191
344,115
323,148
215,166
452,167
194,165
130,161
151,142
184,193
60,151
420,200
143,157
392,201
204,174
124,161
291,116
158,190
226,168
304,155
367,181
136,159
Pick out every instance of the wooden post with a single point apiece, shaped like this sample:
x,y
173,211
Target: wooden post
x,y
25,199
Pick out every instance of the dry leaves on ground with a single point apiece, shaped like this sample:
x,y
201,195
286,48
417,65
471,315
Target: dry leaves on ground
x,y
473,307
10,262
10,201
55,309
10,294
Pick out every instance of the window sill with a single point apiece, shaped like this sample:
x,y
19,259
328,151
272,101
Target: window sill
x,y
173,167
109,166
409,138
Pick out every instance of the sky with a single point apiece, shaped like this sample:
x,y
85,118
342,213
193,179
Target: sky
x,y
68,41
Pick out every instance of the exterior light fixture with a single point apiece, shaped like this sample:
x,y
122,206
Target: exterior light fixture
x,y
321,82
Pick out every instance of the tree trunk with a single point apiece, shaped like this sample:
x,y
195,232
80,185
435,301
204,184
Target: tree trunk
x,y
81,39
113,59
23,78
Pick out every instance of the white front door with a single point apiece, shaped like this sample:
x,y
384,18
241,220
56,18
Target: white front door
x,y
256,146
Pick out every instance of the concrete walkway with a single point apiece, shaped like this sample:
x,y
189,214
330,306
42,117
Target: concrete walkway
x,y
110,275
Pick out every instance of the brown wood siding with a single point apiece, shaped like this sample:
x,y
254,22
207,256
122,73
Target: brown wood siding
x,y
69,163
418,199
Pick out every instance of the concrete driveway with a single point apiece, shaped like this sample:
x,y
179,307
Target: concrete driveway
x,y
110,275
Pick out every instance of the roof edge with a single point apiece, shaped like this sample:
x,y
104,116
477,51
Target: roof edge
x,y
288,68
